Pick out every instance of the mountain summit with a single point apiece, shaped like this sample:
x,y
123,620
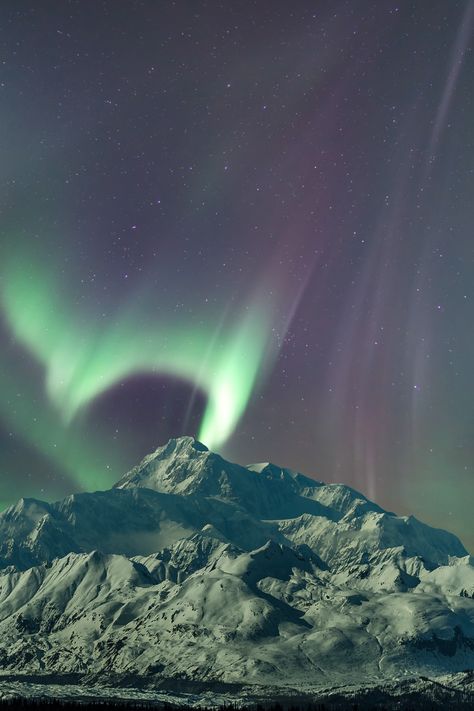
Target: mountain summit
x,y
194,568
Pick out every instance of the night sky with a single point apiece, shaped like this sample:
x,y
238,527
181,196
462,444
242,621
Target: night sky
x,y
247,221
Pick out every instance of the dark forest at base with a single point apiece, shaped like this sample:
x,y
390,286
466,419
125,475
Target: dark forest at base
x,y
414,703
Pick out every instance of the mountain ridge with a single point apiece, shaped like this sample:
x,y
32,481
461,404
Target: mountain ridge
x,y
192,567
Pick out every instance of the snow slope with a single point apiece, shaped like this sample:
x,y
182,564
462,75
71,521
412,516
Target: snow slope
x,y
196,569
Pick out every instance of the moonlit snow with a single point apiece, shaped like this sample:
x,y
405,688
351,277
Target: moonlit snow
x,y
196,571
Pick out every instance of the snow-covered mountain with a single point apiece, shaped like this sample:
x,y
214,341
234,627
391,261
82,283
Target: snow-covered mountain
x,y
196,569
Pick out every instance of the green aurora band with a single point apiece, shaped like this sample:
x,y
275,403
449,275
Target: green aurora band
x,y
82,358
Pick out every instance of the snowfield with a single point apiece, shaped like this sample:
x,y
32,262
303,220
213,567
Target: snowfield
x,y
195,573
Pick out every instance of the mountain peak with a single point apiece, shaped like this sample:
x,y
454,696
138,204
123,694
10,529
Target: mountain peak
x,y
181,445
169,467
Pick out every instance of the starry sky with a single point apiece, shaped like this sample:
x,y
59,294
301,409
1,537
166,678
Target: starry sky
x,y
247,221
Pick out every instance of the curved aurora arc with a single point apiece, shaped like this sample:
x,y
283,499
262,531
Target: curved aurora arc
x,y
83,360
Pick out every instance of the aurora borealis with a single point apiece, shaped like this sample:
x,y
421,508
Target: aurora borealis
x,y
250,222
